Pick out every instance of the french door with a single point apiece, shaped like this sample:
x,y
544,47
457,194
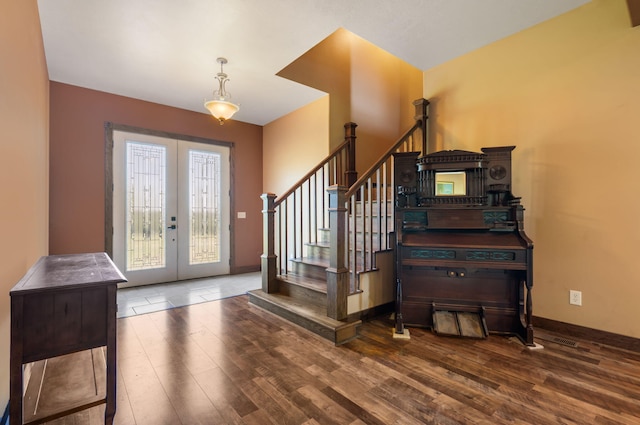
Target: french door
x,y
170,208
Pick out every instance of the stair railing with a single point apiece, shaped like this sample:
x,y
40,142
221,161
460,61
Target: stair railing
x,y
300,216
359,215
370,201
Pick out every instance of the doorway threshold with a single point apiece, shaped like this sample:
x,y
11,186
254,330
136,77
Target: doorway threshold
x,y
163,296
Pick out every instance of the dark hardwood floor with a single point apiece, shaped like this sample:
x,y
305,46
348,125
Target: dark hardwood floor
x,y
226,362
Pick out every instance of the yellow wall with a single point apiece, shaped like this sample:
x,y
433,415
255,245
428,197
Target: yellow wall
x,y
383,88
567,93
327,67
24,157
366,85
294,144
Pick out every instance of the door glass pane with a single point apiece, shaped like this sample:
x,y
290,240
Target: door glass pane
x,y
204,207
145,206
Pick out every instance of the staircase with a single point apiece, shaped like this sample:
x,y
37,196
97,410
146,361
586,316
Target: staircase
x,y
302,295
325,233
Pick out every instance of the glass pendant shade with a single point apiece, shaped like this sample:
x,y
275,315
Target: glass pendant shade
x,y
221,109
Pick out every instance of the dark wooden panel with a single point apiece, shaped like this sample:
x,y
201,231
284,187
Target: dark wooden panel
x,y
454,257
488,287
494,240
455,219
94,318
38,332
67,317
54,321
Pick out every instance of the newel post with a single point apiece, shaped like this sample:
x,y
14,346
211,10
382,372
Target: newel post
x,y
268,260
337,273
350,174
422,116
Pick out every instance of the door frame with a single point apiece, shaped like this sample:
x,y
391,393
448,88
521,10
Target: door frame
x,y
109,128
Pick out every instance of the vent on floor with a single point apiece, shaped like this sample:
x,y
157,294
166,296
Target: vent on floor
x,y
556,339
564,341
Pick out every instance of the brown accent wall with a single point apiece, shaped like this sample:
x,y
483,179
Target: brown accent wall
x,y
77,174
24,157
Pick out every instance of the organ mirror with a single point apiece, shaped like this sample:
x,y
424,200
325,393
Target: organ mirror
x,y
451,183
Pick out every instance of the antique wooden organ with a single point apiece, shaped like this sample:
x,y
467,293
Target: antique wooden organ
x,y
464,262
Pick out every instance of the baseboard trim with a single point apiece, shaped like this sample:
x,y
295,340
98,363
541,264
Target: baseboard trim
x,y
5,416
372,313
595,335
245,269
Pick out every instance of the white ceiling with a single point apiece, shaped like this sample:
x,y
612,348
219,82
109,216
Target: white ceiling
x,y
165,51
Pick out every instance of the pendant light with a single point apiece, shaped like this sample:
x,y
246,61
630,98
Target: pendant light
x,y
221,106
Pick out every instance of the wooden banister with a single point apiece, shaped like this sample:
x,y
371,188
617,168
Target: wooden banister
x,y
421,117
300,216
370,199
348,148
355,213
376,166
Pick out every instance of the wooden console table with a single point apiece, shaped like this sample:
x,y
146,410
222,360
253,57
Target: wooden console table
x,y
64,304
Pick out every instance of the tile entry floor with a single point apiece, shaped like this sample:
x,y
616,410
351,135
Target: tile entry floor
x,y
163,296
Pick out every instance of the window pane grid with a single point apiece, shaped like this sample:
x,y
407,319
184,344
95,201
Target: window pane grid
x,y
145,206
204,207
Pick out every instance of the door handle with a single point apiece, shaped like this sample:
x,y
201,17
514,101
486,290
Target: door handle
x,y
173,226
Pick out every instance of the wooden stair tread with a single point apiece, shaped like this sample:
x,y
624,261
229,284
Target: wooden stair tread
x,y
318,243
307,315
310,310
319,262
309,282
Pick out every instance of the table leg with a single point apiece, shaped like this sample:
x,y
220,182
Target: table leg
x,y
110,410
15,362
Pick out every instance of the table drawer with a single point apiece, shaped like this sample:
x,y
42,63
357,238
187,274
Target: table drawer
x,y
58,322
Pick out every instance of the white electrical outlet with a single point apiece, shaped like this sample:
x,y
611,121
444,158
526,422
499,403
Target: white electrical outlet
x,y
575,297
